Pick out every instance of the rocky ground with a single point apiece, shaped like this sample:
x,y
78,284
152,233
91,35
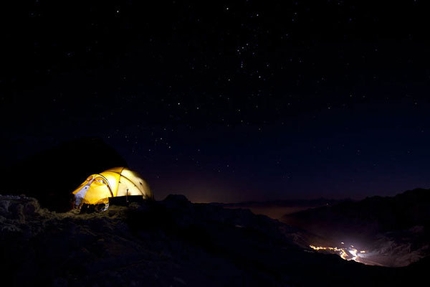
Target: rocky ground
x,y
172,242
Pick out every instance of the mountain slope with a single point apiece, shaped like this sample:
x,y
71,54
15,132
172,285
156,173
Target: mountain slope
x,y
165,243
395,229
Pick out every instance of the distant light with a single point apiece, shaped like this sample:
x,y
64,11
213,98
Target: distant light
x,y
344,253
353,252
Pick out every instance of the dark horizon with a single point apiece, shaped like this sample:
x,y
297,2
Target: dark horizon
x,y
195,193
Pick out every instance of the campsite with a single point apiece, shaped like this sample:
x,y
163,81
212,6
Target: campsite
x,y
141,240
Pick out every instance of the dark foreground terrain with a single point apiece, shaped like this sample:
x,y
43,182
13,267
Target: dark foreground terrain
x,y
172,242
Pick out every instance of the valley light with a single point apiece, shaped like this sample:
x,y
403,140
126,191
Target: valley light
x,y
346,253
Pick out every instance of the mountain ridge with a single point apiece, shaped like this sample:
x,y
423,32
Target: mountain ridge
x,y
172,242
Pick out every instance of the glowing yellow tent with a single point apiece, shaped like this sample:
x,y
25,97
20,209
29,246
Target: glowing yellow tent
x,y
118,181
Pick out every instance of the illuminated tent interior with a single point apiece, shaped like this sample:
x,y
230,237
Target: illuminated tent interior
x,y
114,182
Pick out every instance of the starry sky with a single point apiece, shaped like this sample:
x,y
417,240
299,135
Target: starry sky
x,y
226,101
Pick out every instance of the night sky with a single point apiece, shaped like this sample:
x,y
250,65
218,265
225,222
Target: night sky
x,y
230,100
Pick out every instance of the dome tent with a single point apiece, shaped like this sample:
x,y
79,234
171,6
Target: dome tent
x,y
114,182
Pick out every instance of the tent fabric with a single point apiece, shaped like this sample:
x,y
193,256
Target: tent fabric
x,y
114,182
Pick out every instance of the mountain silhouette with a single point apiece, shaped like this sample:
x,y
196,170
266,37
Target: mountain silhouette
x,y
51,175
171,242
